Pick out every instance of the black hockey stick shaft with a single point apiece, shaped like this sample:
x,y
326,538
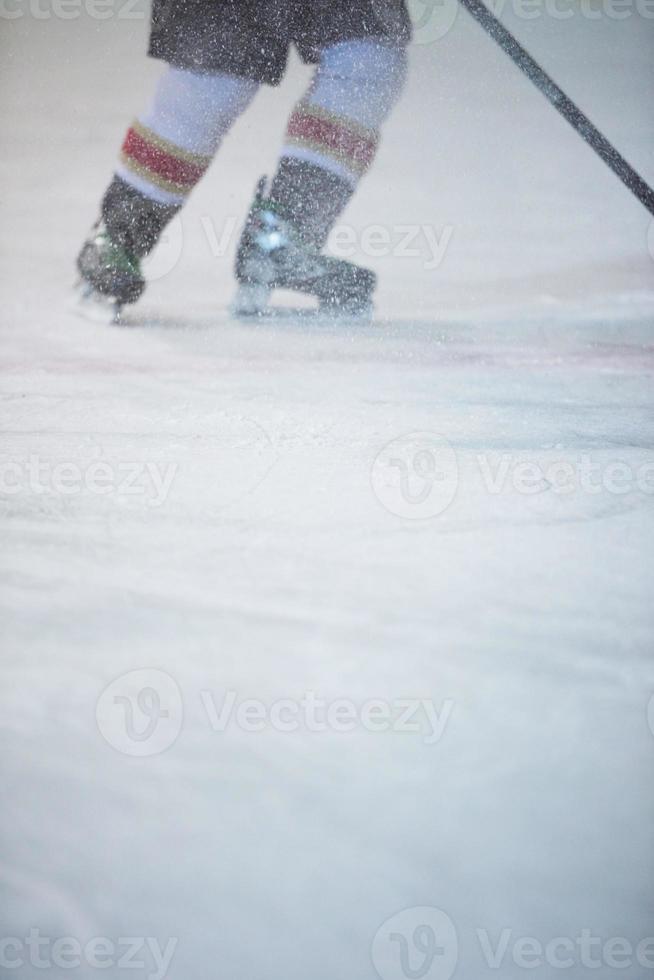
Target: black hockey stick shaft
x,y
561,102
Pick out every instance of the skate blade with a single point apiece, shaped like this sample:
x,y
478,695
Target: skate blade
x,y
363,313
253,303
88,303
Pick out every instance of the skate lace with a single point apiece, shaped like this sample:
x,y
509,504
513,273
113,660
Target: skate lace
x,y
277,237
115,256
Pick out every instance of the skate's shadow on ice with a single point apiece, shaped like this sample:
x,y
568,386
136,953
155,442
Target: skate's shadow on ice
x,y
291,320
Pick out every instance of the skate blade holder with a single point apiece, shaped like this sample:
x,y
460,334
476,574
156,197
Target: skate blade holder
x,y
88,303
251,300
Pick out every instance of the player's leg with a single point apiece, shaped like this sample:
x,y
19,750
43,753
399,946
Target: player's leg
x,y
165,153
331,141
218,54
334,132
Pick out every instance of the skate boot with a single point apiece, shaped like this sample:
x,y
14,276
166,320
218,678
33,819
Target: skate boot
x,y
109,263
273,255
110,275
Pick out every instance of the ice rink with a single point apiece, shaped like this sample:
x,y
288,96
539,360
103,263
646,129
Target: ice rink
x,y
387,589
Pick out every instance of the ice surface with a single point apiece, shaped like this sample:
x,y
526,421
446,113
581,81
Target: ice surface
x,y
285,558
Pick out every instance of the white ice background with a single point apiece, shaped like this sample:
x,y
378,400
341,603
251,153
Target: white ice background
x,y
286,558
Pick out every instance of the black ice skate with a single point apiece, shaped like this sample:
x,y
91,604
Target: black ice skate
x,y
109,263
110,276
272,255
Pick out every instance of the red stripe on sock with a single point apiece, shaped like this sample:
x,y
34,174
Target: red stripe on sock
x,y
336,137
162,164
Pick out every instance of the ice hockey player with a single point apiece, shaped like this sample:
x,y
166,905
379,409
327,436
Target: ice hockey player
x,y
218,53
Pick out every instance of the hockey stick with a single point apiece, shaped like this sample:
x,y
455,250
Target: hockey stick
x,y
523,60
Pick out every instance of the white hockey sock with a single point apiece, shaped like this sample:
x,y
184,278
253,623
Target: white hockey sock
x,y
336,125
168,149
